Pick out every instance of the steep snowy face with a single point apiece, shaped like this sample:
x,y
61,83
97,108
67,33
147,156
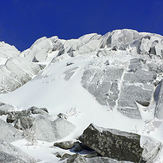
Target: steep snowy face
x,y
14,70
119,70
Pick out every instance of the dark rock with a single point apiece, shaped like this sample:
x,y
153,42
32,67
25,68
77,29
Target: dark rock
x,y
11,117
114,144
62,115
69,63
77,147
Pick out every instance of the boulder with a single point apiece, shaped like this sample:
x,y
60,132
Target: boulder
x,y
114,144
48,130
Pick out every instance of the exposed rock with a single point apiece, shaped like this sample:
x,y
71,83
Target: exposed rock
x,y
115,144
62,115
78,147
121,88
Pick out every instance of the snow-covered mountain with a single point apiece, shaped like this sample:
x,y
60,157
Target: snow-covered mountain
x,y
113,81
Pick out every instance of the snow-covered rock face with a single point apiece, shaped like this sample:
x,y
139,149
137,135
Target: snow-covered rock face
x,y
113,81
120,69
14,70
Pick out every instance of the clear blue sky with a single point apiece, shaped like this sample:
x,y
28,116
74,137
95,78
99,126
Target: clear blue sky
x,y
24,21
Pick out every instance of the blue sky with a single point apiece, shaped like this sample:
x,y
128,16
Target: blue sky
x,y
24,21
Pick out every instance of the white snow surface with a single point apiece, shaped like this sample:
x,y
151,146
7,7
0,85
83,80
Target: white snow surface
x,y
50,89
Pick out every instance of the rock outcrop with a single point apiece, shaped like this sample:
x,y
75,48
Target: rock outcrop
x,y
114,144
